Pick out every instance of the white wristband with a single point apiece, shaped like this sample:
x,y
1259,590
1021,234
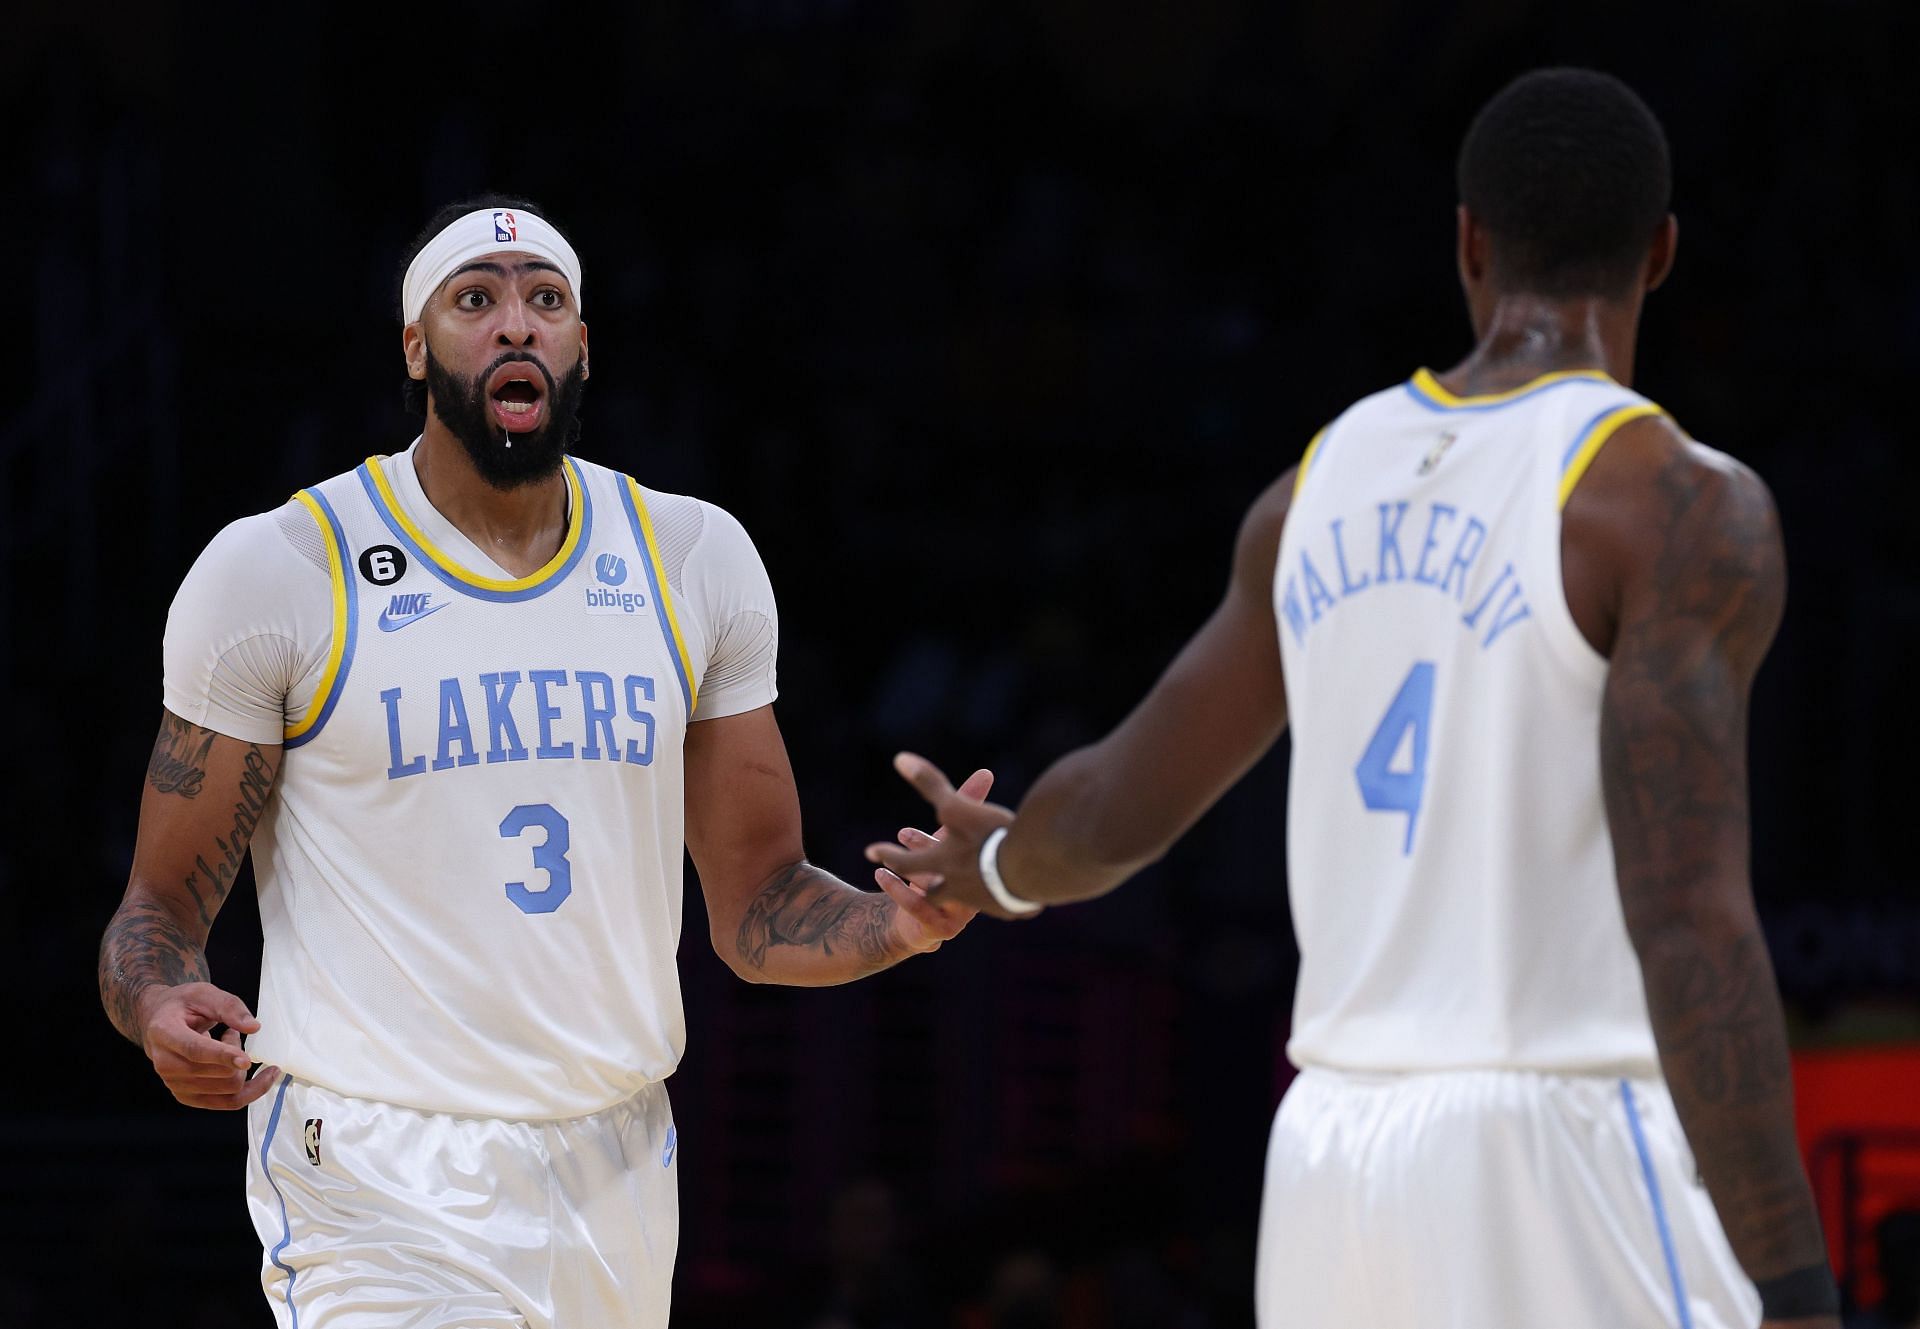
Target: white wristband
x,y
990,874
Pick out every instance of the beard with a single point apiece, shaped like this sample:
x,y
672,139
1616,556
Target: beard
x,y
461,405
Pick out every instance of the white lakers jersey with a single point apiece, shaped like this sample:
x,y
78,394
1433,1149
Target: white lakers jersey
x,y
1452,881
470,874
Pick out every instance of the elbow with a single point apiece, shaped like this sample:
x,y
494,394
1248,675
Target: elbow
x,y
1680,931
726,945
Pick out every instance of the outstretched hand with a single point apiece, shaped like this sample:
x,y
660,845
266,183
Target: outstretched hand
x,y
924,921
946,867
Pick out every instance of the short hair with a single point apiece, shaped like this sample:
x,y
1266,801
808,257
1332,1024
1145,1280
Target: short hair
x,y
413,392
1568,171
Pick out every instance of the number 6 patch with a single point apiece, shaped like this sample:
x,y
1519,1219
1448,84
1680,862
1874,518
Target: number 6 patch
x,y
383,565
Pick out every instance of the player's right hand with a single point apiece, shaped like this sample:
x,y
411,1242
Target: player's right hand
x,y
199,1069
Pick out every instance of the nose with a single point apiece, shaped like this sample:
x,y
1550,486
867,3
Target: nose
x,y
515,328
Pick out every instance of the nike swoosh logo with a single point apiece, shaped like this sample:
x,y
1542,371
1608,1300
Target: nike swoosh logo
x,y
395,624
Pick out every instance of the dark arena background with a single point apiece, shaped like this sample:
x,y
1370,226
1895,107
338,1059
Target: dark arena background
x,y
988,321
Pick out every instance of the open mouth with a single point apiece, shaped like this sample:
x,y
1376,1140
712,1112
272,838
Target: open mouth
x,y
517,396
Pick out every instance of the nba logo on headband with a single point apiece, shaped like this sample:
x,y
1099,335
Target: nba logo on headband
x,y
479,233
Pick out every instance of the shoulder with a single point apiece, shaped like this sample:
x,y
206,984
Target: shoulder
x,y
1389,403
1653,493
1685,539
267,573
252,613
720,527
1257,550
704,530
680,519
266,546
723,559
703,548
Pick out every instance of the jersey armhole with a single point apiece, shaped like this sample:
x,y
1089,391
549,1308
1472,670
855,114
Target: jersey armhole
x,y
1587,443
635,502
1306,459
1562,628
346,612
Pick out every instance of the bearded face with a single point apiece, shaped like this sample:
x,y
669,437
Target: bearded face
x,y
513,418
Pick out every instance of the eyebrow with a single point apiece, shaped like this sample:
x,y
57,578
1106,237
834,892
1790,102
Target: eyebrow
x,y
499,270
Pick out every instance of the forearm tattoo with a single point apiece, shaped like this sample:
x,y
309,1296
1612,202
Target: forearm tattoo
x,y
145,946
803,907
1673,762
158,936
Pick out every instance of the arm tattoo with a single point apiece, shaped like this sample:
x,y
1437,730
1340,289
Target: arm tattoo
x,y
179,761
1673,767
145,946
158,936
209,883
804,907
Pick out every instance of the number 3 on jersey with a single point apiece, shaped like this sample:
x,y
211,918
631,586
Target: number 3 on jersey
x,y
549,856
1382,788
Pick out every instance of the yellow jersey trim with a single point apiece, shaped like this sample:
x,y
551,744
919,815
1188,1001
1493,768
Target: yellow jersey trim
x,y
664,591
337,574
576,513
1306,459
1424,380
1597,435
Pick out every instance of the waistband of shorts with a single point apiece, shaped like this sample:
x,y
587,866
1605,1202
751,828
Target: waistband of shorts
x,y
1362,1076
637,1098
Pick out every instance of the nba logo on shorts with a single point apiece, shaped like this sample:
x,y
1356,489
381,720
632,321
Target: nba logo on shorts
x,y
504,227
311,1137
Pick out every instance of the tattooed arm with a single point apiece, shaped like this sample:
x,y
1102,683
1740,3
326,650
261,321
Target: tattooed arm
x,y
775,917
1694,585
204,795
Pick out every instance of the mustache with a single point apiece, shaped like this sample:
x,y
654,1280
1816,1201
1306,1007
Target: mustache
x,y
512,358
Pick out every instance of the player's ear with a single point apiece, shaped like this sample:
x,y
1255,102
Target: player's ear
x,y
1666,240
583,350
413,345
1470,248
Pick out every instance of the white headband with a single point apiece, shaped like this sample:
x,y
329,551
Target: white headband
x,y
488,231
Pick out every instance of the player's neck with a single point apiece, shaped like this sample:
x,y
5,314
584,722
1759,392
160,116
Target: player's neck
x,y
520,529
1525,336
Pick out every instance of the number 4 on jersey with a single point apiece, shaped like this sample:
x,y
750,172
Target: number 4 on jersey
x,y
1382,788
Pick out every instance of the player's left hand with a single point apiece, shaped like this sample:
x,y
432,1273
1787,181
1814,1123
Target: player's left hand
x,y
923,923
947,867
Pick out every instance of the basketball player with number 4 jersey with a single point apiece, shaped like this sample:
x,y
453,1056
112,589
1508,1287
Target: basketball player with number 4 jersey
x,y
1510,613
466,706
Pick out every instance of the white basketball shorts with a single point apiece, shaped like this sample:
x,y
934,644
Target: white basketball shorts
x,y
371,1214
1489,1200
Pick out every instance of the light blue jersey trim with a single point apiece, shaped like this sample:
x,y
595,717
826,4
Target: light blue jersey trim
x,y
1414,391
286,1228
339,681
1659,1210
1579,440
413,548
659,601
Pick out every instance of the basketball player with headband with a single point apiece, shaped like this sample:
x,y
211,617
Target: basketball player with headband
x,y
465,705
